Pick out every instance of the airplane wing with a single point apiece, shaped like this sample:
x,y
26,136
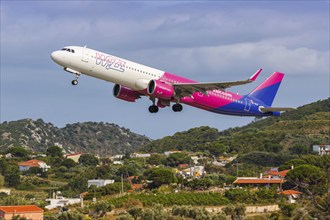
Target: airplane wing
x,y
186,89
274,109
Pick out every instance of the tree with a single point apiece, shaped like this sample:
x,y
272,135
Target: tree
x,y
308,178
177,158
101,208
54,151
235,212
203,183
287,209
156,159
88,160
68,163
160,176
135,211
216,148
19,152
299,149
2,181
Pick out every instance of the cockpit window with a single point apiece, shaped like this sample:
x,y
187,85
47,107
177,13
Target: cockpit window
x,y
69,50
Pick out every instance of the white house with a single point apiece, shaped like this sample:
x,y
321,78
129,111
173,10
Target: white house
x,y
141,155
26,165
61,202
322,149
99,182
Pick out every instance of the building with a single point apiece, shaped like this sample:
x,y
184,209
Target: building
x,y
61,202
30,212
74,157
140,155
321,149
5,190
99,182
274,173
26,165
167,153
292,195
255,181
118,162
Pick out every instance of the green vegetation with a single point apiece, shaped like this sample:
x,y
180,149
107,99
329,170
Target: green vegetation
x,y
169,190
294,132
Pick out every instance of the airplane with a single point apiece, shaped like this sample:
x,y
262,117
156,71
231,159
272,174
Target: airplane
x,y
133,80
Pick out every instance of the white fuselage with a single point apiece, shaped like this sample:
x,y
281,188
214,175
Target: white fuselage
x,y
107,67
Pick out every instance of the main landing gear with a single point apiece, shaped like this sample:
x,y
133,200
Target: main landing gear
x,y
154,108
177,107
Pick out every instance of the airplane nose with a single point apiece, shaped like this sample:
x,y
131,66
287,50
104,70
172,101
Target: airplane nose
x,y
55,56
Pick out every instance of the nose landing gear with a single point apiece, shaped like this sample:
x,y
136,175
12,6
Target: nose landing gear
x,y
75,81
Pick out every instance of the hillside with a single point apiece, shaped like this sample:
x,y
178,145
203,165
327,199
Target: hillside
x,y
307,125
79,137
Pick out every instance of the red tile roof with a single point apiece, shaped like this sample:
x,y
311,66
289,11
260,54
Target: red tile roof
x,y
71,155
258,181
290,192
183,166
31,163
137,186
278,173
21,209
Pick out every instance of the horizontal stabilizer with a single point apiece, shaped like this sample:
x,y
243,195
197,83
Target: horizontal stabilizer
x,y
271,109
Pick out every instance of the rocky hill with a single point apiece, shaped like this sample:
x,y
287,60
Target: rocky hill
x,y
305,126
103,138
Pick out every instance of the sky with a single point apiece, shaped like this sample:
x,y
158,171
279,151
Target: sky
x,y
207,41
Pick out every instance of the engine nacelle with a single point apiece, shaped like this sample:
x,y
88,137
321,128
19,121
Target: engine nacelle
x,y
125,93
160,90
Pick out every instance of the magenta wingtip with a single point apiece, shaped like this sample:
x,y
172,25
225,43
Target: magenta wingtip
x,y
254,76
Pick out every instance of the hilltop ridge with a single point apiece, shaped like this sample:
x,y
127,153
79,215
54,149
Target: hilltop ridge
x,y
92,137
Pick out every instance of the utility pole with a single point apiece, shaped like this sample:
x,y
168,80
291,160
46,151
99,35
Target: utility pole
x,y
122,184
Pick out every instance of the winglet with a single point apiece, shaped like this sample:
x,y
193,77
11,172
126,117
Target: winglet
x,y
254,76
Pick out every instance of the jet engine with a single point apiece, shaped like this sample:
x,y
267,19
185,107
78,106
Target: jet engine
x,y
125,93
161,90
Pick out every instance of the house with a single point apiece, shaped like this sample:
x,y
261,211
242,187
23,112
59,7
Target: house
x,y
140,155
274,173
26,165
5,191
321,149
61,202
292,195
117,157
118,162
195,171
255,181
171,152
28,211
99,182
75,157
183,166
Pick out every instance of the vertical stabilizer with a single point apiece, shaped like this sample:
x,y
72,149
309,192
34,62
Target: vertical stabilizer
x,y
267,90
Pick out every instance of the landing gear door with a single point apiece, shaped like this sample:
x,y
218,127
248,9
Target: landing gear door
x,y
85,55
